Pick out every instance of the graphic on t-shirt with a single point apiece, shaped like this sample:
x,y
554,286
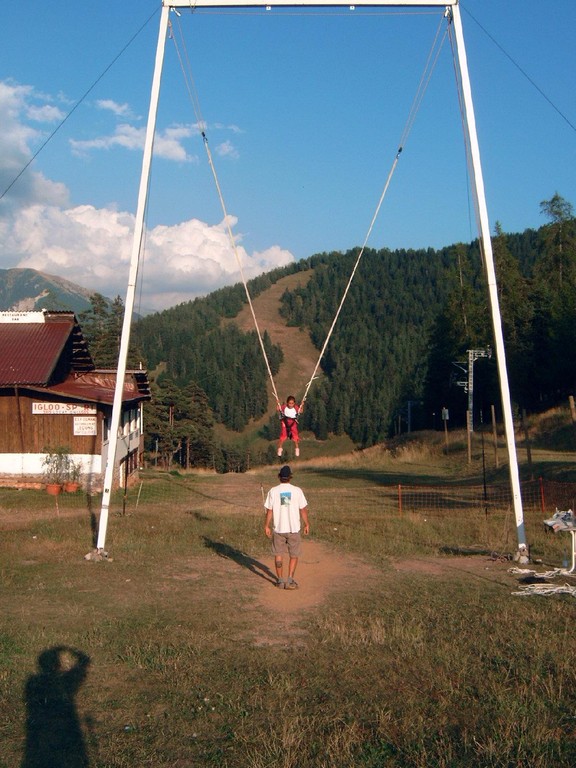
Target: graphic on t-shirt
x,y
285,497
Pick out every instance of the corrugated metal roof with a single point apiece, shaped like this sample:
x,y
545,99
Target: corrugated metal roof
x,y
30,352
99,388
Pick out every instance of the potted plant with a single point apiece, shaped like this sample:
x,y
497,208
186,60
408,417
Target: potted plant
x,y
72,479
54,465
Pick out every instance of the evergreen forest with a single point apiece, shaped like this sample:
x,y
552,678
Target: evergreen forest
x,y
397,356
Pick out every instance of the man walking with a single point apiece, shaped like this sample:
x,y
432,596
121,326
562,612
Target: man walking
x,y
285,505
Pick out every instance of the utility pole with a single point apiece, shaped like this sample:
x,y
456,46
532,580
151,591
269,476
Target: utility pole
x,y
473,355
468,385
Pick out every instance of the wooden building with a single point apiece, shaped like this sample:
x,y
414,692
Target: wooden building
x,y
53,398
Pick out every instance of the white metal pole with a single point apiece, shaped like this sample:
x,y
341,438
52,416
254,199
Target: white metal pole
x,y
131,290
483,224
471,388
193,4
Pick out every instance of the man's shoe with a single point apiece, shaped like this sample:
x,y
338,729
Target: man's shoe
x,y
291,584
281,584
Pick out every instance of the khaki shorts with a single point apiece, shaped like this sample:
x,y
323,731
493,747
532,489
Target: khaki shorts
x,y
283,543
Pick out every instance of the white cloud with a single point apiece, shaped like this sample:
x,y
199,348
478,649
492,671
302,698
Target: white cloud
x,y
92,247
194,258
120,110
16,137
233,128
167,144
46,113
227,149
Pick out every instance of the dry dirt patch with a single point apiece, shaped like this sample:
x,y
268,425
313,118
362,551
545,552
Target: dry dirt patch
x,y
321,572
300,355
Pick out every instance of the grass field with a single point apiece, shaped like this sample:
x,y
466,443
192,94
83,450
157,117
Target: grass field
x,y
178,651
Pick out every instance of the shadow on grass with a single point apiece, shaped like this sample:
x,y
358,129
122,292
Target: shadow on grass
x,y
561,470
54,734
386,478
93,522
241,558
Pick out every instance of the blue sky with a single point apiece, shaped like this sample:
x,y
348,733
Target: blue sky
x,y
304,113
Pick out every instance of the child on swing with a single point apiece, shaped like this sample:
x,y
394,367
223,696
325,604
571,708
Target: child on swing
x,y
289,413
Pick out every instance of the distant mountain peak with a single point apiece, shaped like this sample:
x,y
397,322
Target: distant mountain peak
x,y
25,289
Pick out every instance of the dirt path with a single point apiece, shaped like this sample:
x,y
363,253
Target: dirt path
x,y
277,617
321,572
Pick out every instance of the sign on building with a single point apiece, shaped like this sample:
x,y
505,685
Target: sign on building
x,y
64,409
85,425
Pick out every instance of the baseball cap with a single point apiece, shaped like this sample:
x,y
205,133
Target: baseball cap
x,y
285,473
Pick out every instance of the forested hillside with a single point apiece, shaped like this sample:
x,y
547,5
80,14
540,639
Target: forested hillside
x,y
376,358
408,318
536,276
191,344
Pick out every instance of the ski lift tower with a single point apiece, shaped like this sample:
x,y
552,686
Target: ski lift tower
x,y
473,355
451,12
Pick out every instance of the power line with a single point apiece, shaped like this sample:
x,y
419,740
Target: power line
x,y
522,71
75,107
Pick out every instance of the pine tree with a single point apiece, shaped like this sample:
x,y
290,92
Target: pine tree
x,y
517,313
102,328
555,302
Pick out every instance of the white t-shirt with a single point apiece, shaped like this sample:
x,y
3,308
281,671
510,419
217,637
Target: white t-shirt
x,y
290,413
286,501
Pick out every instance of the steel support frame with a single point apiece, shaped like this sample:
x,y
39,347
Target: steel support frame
x,y
452,12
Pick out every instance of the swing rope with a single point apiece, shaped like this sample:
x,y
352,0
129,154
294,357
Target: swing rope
x,y
422,87
189,81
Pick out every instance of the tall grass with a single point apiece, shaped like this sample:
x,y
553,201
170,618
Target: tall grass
x,y
408,669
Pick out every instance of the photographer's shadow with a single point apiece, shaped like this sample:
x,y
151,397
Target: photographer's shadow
x,y
54,737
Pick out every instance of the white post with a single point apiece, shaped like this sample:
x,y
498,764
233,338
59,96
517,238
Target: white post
x,y
486,241
131,290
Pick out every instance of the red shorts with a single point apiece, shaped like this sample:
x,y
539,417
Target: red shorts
x,y
289,429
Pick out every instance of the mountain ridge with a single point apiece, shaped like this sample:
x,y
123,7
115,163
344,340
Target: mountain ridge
x,y
25,289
